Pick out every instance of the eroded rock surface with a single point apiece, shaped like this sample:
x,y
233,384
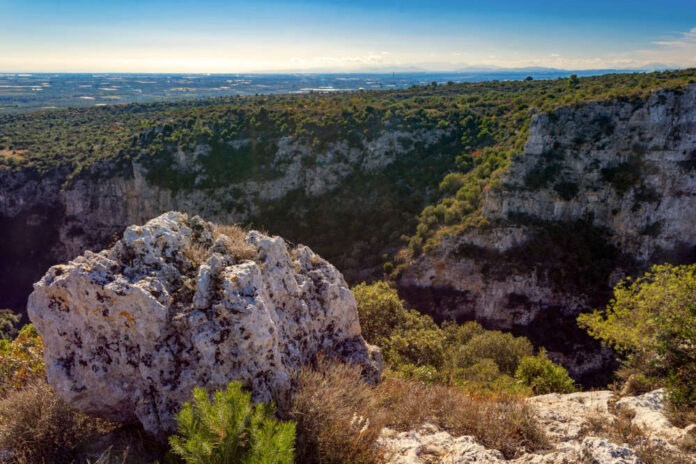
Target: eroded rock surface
x,y
130,331
578,427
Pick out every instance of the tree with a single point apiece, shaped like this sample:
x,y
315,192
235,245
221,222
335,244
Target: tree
x,y
652,321
231,430
573,82
543,375
380,311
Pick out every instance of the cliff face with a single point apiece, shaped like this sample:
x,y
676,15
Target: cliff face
x,y
48,219
602,191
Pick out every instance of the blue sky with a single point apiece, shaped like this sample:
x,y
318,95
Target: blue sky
x,y
312,35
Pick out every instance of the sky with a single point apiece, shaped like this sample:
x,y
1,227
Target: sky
x,y
214,36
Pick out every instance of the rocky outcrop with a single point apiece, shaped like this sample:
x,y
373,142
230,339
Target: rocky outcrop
x,y
581,428
179,303
602,191
51,217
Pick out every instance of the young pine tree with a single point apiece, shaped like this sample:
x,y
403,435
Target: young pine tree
x,y
231,430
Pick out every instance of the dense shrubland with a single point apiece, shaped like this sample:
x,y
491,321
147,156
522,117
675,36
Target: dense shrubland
x,y
465,355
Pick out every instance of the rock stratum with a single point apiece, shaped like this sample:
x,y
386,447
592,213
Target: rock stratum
x,y
179,303
602,191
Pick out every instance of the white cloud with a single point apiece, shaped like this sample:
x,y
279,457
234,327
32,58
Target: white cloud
x,y
683,39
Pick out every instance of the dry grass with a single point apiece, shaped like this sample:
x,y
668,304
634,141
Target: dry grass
x,y
196,253
17,155
129,444
339,418
235,242
37,427
681,417
621,430
503,422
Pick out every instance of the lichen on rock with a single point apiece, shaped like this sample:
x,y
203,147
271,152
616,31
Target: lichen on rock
x,y
176,304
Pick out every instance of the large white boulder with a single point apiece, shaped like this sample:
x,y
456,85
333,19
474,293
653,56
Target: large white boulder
x,y
131,330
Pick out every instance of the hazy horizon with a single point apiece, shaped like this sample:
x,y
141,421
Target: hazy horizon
x,y
313,36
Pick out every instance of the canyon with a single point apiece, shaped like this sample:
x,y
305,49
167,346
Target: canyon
x,y
602,191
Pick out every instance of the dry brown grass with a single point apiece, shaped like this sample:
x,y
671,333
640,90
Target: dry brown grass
x,y
37,427
681,417
339,417
13,154
195,252
129,444
621,430
235,243
503,422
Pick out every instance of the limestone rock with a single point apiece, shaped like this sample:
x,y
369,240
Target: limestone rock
x,y
431,445
566,421
61,216
602,451
131,330
649,413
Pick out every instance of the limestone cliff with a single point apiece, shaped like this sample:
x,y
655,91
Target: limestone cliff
x,y
51,217
601,191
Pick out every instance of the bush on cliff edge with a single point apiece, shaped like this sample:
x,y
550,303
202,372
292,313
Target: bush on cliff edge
x,y
652,322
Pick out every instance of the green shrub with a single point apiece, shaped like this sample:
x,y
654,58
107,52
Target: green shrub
x,y
465,355
504,349
452,182
418,340
21,360
8,322
231,430
380,311
543,375
652,321
425,374
461,334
